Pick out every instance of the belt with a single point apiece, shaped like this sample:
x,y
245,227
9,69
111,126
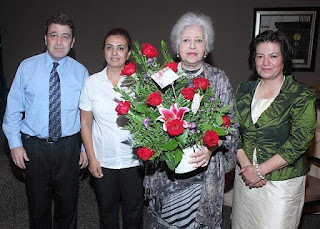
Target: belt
x,y
46,140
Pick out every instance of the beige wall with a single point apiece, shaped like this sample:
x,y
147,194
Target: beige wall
x,y
148,21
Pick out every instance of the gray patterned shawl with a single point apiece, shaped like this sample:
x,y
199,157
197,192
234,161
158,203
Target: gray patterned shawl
x,y
160,184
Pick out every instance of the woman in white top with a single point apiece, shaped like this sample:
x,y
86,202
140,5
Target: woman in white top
x,y
113,163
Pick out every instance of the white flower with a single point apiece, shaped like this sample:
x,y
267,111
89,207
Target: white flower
x,y
196,102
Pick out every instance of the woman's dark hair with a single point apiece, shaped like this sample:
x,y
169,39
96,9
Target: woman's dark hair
x,y
119,31
60,19
274,37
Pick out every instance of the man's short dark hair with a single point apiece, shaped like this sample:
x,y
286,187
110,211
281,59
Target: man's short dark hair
x,y
60,19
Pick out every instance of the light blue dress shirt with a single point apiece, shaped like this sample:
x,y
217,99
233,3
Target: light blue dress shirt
x,y
29,95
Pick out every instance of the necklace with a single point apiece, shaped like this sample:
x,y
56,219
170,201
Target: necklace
x,y
190,73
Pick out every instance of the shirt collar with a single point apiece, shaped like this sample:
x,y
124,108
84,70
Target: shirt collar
x,y
103,76
49,61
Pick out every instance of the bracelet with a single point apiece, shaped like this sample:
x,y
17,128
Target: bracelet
x,y
259,173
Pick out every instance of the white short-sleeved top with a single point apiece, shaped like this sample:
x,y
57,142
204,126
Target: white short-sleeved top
x,y
112,145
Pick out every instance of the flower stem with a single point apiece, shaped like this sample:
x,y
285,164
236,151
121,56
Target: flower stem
x,y
174,92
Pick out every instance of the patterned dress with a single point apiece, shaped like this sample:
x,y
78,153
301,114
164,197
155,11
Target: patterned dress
x,y
194,200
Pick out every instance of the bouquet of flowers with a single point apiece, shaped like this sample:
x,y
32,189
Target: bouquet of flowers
x,y
166,111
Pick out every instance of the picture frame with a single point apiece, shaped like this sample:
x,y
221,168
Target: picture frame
x,y
300,24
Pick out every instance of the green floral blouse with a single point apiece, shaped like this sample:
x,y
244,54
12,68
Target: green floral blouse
x,y
285,128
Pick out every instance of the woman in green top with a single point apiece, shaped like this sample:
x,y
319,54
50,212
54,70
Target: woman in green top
x,y
277,120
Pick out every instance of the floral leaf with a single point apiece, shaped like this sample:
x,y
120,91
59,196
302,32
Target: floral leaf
x,y
165,53
219,120
153,115
170,164
138,88
170,160
205,127
177,156
220,131
136,56
170,145
155,155
163,157
123,93
225,109
182,139
141,107
138,119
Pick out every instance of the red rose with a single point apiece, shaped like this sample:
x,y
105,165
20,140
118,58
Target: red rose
x,y
149,50
173,66
188,93
145,153
226,121
128,69
123,107
154,99
175,127
201,83
210,138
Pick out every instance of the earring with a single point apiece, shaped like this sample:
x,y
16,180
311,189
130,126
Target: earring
x,y
205,56
178,55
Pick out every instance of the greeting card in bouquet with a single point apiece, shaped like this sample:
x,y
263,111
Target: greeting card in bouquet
x,y
164,77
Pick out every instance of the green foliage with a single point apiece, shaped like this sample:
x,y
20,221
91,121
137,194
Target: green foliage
x,y
170,145
165,53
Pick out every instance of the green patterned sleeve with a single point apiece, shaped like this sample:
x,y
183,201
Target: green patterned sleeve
x,y
303,121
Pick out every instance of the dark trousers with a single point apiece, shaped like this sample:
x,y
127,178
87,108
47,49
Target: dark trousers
x,y
52,174
124,184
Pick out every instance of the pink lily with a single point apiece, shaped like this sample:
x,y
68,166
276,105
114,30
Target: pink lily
x,y
174,112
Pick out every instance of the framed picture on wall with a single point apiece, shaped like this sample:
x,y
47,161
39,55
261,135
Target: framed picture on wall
x,y
299,24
